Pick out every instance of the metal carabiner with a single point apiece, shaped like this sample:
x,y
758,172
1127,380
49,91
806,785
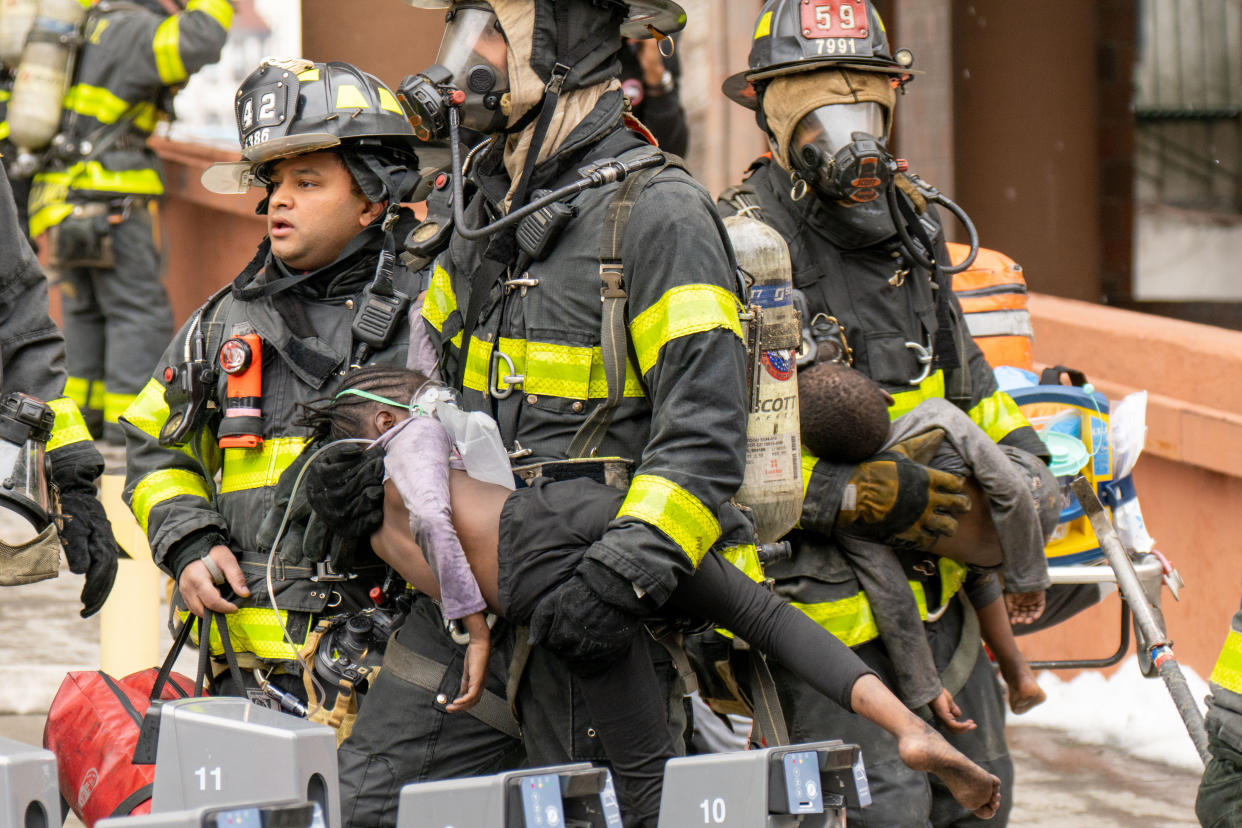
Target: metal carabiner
x,y
511,379
924,356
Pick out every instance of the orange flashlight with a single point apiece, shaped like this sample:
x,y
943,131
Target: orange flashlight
x,y
241,358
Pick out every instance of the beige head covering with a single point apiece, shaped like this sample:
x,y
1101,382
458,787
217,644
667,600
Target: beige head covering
x,y
517,19
789,98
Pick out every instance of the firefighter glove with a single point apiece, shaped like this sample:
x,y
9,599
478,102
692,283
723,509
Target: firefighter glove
x,y
345,487
306,539
89,546
892,498
86,533
589,619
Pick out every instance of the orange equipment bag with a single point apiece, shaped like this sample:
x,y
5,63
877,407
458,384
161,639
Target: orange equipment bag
x,y
993,298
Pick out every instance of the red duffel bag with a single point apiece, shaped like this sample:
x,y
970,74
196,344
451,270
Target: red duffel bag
x,y
93,728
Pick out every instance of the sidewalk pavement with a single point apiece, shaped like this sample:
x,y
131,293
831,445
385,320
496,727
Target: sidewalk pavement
x,y
1060,782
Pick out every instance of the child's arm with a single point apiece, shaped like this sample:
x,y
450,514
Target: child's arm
x,y
417,461
396,547
474,668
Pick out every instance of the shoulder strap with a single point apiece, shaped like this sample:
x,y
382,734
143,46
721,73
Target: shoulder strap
x,y
614,337
742,198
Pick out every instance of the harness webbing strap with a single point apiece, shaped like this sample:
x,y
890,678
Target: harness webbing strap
x,y
613,334
428,674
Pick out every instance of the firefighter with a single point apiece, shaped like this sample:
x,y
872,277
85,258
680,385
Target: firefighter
x,y
32,362
868,256
1219,803
322,294
652,83
99,187
524,336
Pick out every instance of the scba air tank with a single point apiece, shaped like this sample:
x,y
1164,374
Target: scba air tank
x,y
772,486
44,73
16,18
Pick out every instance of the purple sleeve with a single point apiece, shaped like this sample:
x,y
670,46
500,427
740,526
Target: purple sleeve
x,y
422,355
417,461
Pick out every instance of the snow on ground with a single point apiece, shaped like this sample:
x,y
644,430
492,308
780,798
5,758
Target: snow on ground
x,y
1124,711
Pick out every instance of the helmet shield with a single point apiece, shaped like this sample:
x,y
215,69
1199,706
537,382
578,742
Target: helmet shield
x,y
25,498
829,128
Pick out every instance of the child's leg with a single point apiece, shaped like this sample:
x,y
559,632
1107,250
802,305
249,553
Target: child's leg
x,y
897,618
722,593
630,716
1024,691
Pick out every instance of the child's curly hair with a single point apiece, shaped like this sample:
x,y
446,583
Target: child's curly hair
x,y
337,417
844,415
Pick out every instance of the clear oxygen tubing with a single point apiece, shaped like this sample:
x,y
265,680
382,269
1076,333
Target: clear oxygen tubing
x,y
271,555
597,176
932,194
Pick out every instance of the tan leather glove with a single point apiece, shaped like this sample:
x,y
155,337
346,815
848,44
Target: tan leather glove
x,y
894,497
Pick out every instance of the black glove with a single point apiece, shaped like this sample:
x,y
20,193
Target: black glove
x,y
86,535
589,619
306,538
345,487
897,499
89,546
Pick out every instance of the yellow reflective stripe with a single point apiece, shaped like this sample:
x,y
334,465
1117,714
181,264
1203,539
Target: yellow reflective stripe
x,y
764,28
906,401
115,405
440,302
48,217
253,630
309,75
746,558
5,94
549,369
68,427
682,311
162,485
388,102
51,189
663,504
478,363
86,393
952,576
1228,670
167,48
259,467
998,415
852,619
220,11
105,107
4,130
148,411
808,466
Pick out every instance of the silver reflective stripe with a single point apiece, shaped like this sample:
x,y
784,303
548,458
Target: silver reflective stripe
x,y
1000,323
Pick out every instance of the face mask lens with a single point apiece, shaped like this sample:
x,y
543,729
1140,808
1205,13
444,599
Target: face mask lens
x,y
823,131
472,46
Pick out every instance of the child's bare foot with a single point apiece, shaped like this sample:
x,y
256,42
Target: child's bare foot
x,y
975,789
1024,690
